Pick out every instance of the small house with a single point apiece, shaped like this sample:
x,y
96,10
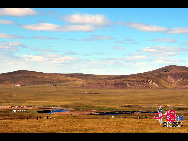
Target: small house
x,y
14,111
17,85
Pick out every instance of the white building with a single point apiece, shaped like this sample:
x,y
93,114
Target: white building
x,y
17,85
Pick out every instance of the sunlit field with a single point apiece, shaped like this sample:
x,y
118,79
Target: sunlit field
x,y
79,100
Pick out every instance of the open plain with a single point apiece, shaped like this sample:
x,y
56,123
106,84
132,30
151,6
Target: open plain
x,y
81,104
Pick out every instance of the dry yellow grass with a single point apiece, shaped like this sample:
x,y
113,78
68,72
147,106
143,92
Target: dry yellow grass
x,y
70,125
76,98
107,98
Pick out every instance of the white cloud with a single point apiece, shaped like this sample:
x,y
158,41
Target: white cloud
x,y
135,57
58,63
98,37
17,12
64,59
97,20
119,48
62,28
145,27
51,55
162,49
2,21
169,40
44,37
165,55
166,60
41,27
71,28
42,50
10,46
77,22
155,28
7,62
32,58
178,30
50,58
9,36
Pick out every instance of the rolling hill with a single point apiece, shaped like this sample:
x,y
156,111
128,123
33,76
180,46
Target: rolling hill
x,y
166,77
26,77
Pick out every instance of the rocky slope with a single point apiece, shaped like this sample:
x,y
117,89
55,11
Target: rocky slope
x,y
166,77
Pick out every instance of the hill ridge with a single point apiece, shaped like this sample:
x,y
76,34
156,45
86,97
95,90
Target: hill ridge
x,y
171,76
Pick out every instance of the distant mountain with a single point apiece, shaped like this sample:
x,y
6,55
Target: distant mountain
x,y
166,77
26,77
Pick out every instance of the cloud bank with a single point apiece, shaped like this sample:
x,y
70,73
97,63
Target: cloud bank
x,y
19,12
76,22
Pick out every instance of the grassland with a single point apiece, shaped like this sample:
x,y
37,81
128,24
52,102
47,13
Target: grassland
x,y
79,125
106,99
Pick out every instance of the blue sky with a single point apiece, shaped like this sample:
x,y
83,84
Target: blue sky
x,y
93,40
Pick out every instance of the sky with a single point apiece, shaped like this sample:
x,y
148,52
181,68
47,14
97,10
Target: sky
x,y
116,41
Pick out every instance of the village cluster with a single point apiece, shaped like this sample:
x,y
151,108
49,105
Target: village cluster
x,y
14,111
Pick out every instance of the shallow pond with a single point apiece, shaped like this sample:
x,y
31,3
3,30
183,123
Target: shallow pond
x,y
52,111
